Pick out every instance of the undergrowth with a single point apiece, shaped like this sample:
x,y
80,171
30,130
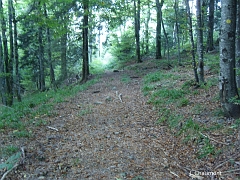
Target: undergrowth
x,y
18,118
170,91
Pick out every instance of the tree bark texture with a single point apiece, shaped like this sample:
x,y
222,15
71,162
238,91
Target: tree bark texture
x,y
176,9
16,56
11,55
200,40
41,60
147,29
49,51
64,54
137,29
85,65
192,41
227,78
166,39
238,44
2,77
158,29
7,73
210,43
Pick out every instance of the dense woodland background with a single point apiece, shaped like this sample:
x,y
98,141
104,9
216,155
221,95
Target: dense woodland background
x,y
158,74
47,44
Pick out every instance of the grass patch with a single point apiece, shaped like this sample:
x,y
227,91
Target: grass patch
x,y
178,109
125,78
11,161
86,111
8,150
36,105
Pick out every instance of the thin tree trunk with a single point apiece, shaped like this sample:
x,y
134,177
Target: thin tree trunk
x,y
238,44
192,41
16,59
137,29
5,57
200,41
167,43
49,52
41,60
64,55
2,72
227,78
147,28
91,39
177,30
11,55
85,66
210,43
158,30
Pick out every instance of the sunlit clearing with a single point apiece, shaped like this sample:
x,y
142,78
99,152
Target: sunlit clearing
x,y
107,59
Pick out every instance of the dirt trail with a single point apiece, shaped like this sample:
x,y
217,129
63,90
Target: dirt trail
x,y
100,137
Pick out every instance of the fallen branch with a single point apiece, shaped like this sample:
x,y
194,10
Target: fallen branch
x,y
207,136
173,173
15,165
52,128
226,161
230,171
120,97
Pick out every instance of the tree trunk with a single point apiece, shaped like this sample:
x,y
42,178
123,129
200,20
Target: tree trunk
x,y
41,60
166,39
227,78
85,65
200,41
192,41
64,54
7,74
177,30
49,52
2,73
210,43
158,30
137,29
16,59
147,29
238,45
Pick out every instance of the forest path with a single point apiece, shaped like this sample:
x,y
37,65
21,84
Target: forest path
x,y
101,137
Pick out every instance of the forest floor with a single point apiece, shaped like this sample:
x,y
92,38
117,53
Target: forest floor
x,y
109,132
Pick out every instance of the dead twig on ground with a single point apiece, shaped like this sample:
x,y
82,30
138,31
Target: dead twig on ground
x,y
52,128
207,136
120,97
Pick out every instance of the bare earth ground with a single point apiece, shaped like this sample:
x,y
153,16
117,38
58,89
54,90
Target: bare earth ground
x,y
102,136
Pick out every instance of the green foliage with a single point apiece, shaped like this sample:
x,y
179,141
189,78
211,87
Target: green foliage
x,y
206,149
183,102
11,161
235,100
9,150
85,111
21,134
35,105
125,78
138,178
123,47
97,67
156,76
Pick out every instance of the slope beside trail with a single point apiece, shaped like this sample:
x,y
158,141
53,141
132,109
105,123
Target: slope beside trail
x,y
103,136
